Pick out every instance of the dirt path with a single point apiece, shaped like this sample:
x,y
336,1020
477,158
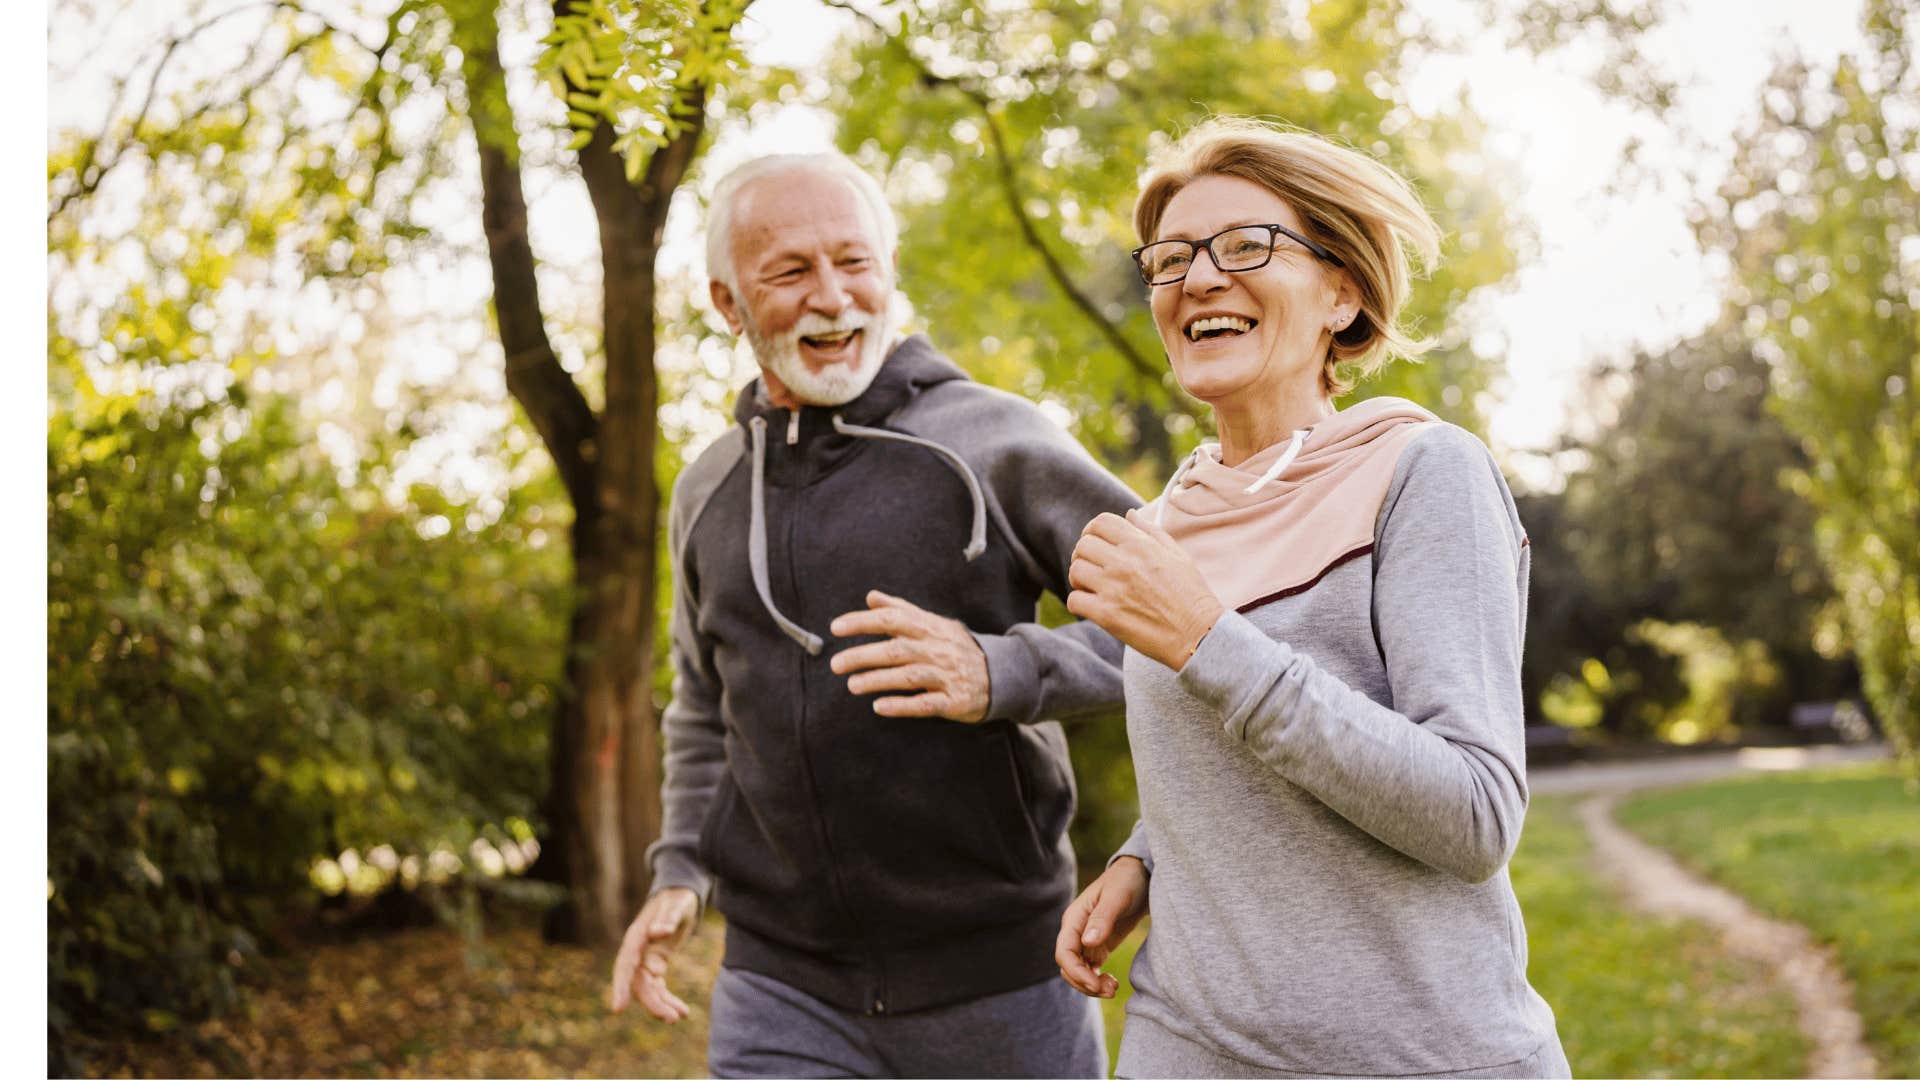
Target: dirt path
x,y
1655,882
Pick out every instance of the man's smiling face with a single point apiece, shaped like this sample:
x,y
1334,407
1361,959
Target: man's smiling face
x,y
813,285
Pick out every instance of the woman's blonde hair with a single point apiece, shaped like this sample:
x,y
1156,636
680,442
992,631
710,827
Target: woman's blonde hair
x,y
1362,211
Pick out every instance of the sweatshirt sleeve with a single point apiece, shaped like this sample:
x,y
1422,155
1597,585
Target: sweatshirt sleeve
x,y
695,740
1046,487
1440,776
1137,845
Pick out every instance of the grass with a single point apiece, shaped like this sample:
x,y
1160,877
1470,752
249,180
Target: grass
x,y
1635,995
1837,850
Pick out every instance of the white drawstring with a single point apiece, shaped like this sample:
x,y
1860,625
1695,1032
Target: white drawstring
x,y
1173,485
1275,469
1279,466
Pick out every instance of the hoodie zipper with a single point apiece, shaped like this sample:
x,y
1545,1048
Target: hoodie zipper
x,y
878,1004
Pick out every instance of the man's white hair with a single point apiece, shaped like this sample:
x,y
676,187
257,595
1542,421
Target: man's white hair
x,y
720,208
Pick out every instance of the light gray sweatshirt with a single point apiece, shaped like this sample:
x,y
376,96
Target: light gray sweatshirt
x,y
1330,791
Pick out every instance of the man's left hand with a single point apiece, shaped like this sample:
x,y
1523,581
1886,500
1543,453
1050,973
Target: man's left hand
x,y
923,651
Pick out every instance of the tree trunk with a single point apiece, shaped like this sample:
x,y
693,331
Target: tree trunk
x,y
603,803
632,221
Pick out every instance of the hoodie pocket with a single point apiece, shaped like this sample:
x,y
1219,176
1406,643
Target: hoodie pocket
x,y
1019,834
715,825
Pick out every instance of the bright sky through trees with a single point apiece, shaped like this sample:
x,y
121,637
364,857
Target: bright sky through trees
x,y
1614,263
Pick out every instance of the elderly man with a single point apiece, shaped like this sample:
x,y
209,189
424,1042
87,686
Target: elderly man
x,y
864,765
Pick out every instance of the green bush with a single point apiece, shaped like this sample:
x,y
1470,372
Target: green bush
x,y
254,660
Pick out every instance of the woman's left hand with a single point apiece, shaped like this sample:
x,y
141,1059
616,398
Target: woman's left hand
x,y
1132,580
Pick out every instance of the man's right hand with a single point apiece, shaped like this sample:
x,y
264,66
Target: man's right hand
x,y
640,968
1098,921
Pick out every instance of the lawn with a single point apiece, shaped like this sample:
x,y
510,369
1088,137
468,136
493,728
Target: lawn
x,y
1636,995
1836,850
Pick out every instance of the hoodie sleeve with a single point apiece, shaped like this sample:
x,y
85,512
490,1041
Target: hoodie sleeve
x,y
1441,775
1046,487
691,727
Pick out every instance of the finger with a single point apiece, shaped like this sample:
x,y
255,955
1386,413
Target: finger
x,y
1140,520
905,677
1097,921
660,1001
1095,550
1108,909
878,600
1084,575
624,963
931,704
1109,527
1067,953
886,621
1082,604
889,653
666,926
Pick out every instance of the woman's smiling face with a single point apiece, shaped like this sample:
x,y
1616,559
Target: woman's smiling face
x,y
1254,333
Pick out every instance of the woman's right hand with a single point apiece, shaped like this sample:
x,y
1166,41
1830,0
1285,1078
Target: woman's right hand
x,y
1096,922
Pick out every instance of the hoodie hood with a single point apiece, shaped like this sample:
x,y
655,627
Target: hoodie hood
x,y
822,437
1276,523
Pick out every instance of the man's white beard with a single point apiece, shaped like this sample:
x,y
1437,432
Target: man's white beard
x,y
835,384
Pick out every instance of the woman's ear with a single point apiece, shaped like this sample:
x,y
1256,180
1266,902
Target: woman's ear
x,y
1346,300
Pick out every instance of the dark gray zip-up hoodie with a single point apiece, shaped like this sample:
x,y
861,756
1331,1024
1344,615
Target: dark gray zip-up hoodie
x,y
879,864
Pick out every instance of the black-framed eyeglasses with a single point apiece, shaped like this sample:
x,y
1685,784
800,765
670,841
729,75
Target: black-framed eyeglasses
x,y
1243,247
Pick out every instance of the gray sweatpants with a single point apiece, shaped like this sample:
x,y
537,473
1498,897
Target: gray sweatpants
x,y
763,1027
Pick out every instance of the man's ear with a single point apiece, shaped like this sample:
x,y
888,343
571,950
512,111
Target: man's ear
x,y
727,306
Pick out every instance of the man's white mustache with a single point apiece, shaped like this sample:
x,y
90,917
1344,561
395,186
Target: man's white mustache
x,y
813,324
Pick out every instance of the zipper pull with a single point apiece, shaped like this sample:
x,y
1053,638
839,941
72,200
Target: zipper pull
x,y
793,427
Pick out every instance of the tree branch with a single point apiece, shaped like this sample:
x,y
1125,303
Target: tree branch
x,y
534,376
90,172
1015,198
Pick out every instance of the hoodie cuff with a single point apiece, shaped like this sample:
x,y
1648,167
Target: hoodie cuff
x,y
675,869
1234,668
1137,847
1013,677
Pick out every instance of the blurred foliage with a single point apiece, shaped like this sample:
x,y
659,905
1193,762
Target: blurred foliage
x,y
254,660
1677,516
1836,850
1012,140
634,65
1820,218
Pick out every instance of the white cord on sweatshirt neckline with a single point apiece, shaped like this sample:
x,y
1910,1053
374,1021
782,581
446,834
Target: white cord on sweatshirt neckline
x,y
1285,459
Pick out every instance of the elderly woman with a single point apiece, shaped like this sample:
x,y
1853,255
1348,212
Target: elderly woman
x,y
1323,615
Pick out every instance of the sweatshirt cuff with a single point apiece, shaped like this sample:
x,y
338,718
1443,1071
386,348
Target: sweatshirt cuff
x,y
1137,847
677,869
1234,668
1013,677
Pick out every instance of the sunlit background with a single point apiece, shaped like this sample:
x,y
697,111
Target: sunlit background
x,y
331,427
